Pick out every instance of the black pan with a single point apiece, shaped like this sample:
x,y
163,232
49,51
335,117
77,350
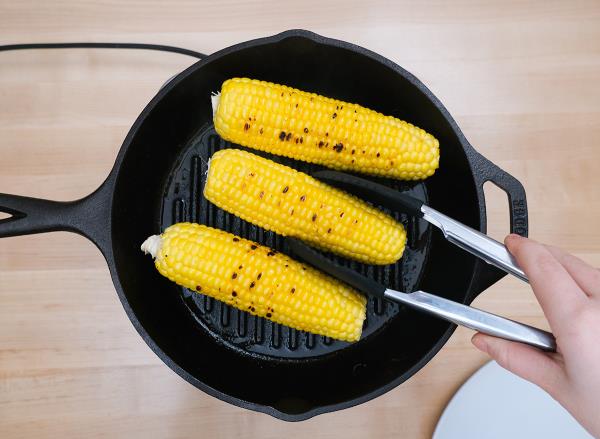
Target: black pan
x,y
158,179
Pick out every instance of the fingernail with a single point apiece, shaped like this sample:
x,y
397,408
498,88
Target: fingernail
x,y
479,342
512,239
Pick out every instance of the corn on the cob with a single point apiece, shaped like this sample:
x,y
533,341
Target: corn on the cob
x,y
258,280
312,128
291,203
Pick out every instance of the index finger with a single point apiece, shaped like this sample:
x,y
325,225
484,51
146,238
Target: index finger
x,y
586,276
556,291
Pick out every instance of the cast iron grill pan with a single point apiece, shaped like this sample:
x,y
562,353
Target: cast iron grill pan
x,y
183,200
157,180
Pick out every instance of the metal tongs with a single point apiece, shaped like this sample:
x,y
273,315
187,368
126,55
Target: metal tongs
x,y
465,237
471,240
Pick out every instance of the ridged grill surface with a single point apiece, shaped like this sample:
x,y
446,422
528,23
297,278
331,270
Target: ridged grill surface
x,y
183,201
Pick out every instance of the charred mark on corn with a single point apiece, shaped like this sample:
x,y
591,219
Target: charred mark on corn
x,y
415,153
379,240
340,314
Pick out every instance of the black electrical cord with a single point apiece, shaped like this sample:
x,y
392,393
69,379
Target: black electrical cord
x,y
141,46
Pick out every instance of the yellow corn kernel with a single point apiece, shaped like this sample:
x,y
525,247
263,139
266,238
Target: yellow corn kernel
x,y
258,280
291,203
313,128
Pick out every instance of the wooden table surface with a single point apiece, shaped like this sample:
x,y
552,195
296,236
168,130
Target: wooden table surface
x,y
520,77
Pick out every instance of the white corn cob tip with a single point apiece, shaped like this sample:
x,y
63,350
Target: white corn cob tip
x,y
214,100
207,167
152,245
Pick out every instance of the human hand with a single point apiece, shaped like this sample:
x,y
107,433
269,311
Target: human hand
x,y
568,291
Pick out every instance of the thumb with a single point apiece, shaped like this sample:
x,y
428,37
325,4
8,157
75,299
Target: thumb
x,y
529,363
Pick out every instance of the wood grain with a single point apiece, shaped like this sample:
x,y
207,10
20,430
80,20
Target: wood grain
x,y
520,77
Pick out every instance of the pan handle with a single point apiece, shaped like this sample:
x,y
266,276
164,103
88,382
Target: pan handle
x,y
89,216
484,171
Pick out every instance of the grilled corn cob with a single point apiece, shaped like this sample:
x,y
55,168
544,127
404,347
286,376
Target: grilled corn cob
x,y
291,203
312,128
258,280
